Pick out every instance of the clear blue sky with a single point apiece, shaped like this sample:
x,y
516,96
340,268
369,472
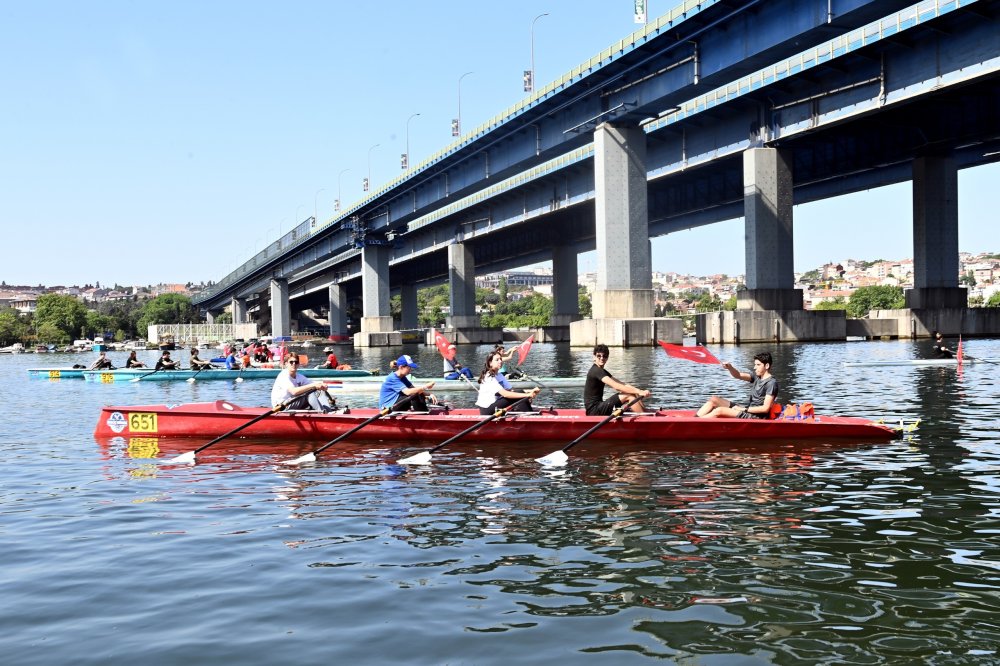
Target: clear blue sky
x,y
147,142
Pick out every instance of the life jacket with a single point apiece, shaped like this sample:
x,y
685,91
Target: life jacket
x,y
798,412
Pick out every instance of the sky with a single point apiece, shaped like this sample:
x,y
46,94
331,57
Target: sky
x,y
149,142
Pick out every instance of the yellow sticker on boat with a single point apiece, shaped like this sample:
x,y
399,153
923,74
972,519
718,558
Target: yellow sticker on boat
x,y
107,378
142,422
55,374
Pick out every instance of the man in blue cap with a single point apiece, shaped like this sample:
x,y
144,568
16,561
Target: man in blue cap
x,y
397,387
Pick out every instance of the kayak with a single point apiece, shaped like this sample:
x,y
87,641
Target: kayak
x,y
373,384
56,373
211,419
931,362
149,375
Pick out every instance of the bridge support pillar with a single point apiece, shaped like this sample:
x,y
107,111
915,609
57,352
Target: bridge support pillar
x,y
209,317
376,320
462,287
935,236
767,204
337,316
409,316
565,287
281,323
624,267
239,310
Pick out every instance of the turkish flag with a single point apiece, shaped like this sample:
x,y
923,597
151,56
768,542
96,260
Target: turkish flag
x,y
522,349
442,344
959,350
696,353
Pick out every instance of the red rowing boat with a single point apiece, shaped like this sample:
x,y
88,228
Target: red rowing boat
x,y
211,419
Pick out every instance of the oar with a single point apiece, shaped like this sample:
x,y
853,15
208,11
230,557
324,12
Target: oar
x,y
141,377
190,380
537,381
189,456
559,457
424,457
311,457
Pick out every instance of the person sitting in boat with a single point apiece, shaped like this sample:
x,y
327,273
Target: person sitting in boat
x,y
507,355
763,393
453,369
102,362
166,363
940,349
597,378
304,394
133,362
397,387
232,361
197,363
332,363
495,392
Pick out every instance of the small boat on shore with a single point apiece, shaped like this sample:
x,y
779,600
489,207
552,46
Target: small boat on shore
x,y
211,419
927,362
208,374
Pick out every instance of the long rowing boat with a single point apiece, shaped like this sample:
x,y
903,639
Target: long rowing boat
x,y
946,362
211,419
56,373
147,374
372,384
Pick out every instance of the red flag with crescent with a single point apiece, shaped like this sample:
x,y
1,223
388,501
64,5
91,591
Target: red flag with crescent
x,y
523,348
696,353
442,343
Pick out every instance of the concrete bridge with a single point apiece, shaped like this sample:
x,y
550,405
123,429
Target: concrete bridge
x,y
717,110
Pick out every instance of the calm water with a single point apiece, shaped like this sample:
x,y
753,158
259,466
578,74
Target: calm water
x,y
659,551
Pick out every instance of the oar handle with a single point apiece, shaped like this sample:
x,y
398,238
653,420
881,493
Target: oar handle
x,y
382,412
614,415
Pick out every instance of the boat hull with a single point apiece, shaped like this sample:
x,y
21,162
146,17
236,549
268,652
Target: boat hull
x,y
211,419
55,373
920,362
149,375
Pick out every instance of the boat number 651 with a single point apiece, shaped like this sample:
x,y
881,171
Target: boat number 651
x,y
142,422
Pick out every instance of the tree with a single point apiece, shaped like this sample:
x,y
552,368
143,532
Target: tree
x,y
584,303
968,279
837,303
64,312
11,327
168,309
502,288
49,333
730,304
993,301
879,297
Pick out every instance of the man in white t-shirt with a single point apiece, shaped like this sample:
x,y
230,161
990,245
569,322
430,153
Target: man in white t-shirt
x,y
304,394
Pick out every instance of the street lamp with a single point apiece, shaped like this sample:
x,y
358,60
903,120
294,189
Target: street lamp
x,y
315,208
405,162
529,76
456,125
294,219
337,206
368,180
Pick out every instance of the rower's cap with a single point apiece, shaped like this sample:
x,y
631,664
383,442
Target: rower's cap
x,y
406,360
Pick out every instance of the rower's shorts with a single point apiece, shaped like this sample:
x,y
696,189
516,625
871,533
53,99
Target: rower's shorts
x,y
605,408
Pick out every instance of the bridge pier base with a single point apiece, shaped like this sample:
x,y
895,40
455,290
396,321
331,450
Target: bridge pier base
x,y
469,335
631,332
770,326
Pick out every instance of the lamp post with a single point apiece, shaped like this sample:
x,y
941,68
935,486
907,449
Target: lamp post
x,y
368,180
406,156
456,126
315,207
294,219
529,84
336,208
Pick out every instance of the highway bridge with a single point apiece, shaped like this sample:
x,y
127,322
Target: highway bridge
x,y
717,110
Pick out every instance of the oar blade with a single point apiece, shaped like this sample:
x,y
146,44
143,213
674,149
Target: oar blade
x,y
422,458
554,459
307,458
182,459
190,380
136,379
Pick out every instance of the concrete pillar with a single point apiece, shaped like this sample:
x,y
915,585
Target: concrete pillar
x,y
462,287
935,235
239,309
767,204
409,315
376,316
338,311
565,287
209,317
624,267
281,322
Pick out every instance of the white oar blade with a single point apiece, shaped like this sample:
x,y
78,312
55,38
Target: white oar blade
x,y
135,380
182,459
554,459
239,380
307,458
190,380
422,458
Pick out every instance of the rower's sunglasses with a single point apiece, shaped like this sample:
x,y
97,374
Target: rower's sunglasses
x,y
604,356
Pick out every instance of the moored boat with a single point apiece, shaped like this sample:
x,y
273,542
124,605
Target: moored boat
x,y
56,373
211,419
151,375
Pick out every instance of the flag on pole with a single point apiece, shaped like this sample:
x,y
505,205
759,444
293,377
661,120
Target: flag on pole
x,y
441,343
523,348
696,353
959,354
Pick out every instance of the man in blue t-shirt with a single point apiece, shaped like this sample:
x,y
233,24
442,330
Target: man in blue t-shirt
x,y
763,393
397,387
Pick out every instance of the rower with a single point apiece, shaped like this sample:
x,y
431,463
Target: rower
x,y
762,394
597,378
289,385
451,368
940,350
165,362
496,393
102,362
397,387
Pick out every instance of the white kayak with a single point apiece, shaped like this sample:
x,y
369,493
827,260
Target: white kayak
x,y
373,384
946,362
